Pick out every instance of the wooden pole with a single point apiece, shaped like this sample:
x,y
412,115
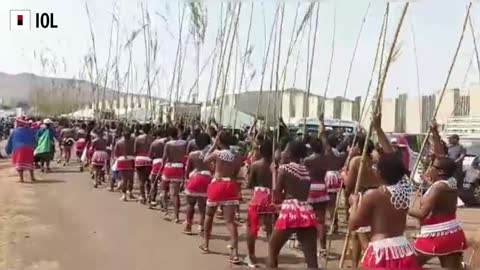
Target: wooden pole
x,y
228,63
472,29
209,87
224,45
291,45
377,55
445,85
246,55
276,131
375,111
332,53
269,99
309,83
265,59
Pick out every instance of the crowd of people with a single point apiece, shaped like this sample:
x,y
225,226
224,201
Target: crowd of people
x,y
294,183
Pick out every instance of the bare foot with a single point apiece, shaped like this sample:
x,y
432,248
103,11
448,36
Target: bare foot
x,y
123,198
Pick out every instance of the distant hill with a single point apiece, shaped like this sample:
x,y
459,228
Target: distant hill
x,y
48,94
23,86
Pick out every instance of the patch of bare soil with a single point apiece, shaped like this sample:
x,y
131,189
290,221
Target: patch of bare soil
x,y
16,201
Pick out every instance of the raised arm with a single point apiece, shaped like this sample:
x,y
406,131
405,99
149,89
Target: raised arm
x,y
437,147
382,138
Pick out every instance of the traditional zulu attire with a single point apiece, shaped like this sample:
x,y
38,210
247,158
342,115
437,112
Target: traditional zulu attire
x,y
157,165
125,163
394,252
223,191
333,181
80,146
441,235
143,160
198,181
293,212
100,158
261,203
174,171
318,192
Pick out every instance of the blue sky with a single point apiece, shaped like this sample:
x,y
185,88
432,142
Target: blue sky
x,y
437,26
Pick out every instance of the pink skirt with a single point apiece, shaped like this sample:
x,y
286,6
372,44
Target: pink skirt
x,y
100,158
173,172
333,181
197,185
441,236
390,253
261,203
143,160
22,158
157,165
126,163
80,145
295,214
318,193
223,192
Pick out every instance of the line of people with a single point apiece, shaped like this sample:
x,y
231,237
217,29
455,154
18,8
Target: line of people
x,y
293,188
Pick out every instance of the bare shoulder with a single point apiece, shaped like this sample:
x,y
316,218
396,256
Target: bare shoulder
x,y
256,164
373,195
193,155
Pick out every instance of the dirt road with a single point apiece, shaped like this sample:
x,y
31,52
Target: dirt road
x,y
62,222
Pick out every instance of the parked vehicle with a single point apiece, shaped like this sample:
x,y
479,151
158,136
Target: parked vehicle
x,y
471,168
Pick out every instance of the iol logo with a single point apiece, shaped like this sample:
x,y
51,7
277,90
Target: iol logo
x,y
20,20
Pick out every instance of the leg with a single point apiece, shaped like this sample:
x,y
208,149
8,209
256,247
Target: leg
x,y
229,216
176,200
154,190
267,220
320,215
32,176
148,183
124,186
202,205
422,259
452,261
141,180
251,259
20,174
277,241
98,172
355,249
208,226
113,180
332,203
166,189
307,239
190,213
130,175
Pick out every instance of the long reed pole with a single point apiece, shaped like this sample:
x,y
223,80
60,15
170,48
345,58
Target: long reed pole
x,y
265,59
332,53
224,46
246,55
309,82
377,56
472,30
375,111
228,63
445,85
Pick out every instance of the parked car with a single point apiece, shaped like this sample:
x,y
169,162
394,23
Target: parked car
x,y
470,193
